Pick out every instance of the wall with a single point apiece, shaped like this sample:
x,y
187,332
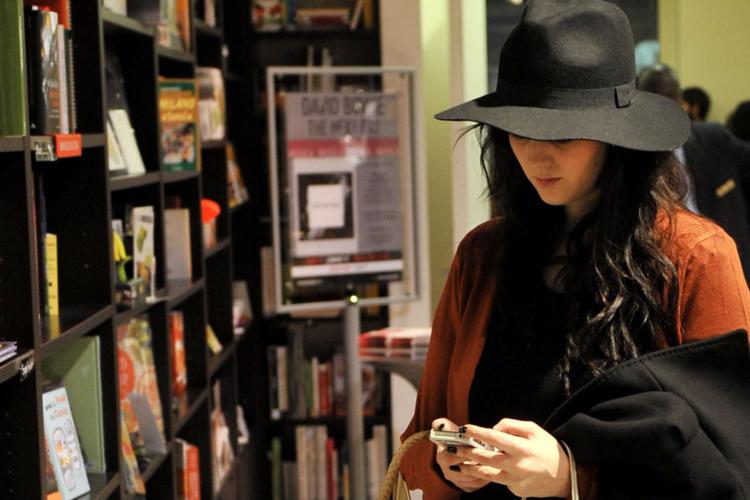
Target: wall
x,y
707,43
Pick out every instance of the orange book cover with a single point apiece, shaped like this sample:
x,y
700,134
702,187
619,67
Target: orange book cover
x,y
179,365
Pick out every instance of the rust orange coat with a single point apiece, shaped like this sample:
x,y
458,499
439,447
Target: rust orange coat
x,y
713,298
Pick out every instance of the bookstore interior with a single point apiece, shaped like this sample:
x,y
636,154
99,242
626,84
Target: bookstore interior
x,y
149,343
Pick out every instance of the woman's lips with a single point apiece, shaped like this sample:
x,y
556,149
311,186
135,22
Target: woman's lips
x,y
547,181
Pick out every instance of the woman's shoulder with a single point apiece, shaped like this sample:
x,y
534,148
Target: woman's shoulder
x,y
482,238
692,235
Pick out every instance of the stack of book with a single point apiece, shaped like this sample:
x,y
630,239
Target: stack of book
x,y
8,349
395,342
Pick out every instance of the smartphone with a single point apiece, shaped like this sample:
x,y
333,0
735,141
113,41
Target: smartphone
x,y
455,438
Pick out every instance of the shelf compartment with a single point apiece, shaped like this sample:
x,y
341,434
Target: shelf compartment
x,y
181,290
123,182
174,54
218,361
203,29
103,486
75,322
22,363
217,144
113,22
194,399
218,248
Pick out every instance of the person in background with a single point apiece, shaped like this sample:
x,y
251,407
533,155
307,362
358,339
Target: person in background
x,y
591,261
739,121
718,165
696,103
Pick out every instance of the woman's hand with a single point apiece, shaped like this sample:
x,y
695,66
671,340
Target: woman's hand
x,y
449,461
531,462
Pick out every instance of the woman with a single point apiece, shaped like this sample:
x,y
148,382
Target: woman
x,y
592,262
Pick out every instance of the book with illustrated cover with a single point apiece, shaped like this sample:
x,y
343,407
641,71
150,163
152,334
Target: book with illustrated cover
x,y
212,103
126,139
136,369
50,263
131,473
178,121
115,160
144,260
188,471
65,449
236,189
179,365
42,61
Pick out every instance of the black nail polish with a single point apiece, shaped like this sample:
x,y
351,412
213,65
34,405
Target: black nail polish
x,y
451,449
462,429
455,468
440,427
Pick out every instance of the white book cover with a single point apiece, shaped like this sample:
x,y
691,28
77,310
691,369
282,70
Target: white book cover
x,y
179,255
126,139
64,446
115,159
380,436
371,451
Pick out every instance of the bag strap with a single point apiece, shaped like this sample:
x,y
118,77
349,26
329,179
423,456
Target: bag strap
x,y
391,477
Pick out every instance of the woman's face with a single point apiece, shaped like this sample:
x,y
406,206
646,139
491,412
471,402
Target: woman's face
x,y
564,173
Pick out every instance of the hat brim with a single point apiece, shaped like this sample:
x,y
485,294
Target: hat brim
x,y
650,123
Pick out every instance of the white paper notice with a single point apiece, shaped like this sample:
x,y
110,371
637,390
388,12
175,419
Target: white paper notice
x,y
325,206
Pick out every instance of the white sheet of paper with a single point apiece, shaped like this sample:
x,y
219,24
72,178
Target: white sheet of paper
x,y
325,206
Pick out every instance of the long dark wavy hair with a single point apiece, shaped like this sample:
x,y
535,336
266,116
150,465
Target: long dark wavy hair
x,y
619,286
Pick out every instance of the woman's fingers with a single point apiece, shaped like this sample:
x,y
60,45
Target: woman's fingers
x,y
443,424
505,442
521,428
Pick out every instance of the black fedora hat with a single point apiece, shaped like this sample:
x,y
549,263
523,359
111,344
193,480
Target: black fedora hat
x,y
567,71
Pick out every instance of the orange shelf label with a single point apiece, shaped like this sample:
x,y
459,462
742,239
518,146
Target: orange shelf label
x,y
68,145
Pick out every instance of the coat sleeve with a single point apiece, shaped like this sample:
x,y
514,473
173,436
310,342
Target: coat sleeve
x,y
650,444
418,466
714,296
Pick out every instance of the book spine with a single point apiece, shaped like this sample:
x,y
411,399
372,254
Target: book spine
x,y
321,462
62,78
276,471
281,373
70,64
302,462
315,388
273,383
12,84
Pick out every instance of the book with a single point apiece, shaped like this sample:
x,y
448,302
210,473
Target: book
x,y
236,188
42,80
78,366
178,122
213,341
242,313
179,254
276,478
136,369
50,266
117,6
131,474
268,15
221,443
188,471
211,103
184,29
60,7
144,259
273,383
115,160
62,77
65,448
12,83
8,349
126,140
179,365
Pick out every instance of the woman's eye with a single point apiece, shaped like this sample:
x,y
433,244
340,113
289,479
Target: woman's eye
x,y
562,142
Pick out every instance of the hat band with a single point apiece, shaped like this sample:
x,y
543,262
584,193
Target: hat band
x,y
547,97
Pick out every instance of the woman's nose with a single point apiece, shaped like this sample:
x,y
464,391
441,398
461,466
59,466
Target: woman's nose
x,y
538,151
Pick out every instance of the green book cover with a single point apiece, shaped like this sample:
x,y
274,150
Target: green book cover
x,y
12,86
78,367
178,120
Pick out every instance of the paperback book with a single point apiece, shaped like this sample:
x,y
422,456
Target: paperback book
x,y
178,120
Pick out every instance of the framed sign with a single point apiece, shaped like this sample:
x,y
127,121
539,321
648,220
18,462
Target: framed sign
x,y
342,185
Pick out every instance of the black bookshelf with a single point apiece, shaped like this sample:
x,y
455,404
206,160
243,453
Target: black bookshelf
x,y
81,199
